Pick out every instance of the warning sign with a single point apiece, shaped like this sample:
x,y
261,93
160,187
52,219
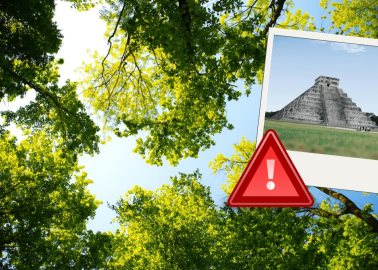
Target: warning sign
x,y
270,179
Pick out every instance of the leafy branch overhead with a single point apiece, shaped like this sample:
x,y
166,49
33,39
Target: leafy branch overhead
x,y
44,206
30,38
172,66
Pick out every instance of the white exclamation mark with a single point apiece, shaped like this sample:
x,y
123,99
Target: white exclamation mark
x,y
270,164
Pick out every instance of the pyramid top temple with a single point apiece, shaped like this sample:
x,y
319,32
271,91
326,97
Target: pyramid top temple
x,y
325,103
327,81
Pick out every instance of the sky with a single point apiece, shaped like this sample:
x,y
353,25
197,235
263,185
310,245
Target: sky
x,y
116,168
297,62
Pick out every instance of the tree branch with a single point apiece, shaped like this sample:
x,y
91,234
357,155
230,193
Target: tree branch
x,y
112,35
41,91
352,208
277,7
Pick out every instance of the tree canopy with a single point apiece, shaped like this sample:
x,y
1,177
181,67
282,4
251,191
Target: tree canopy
x,y
44,204
29,40
170,228
169,72
178,226
44,200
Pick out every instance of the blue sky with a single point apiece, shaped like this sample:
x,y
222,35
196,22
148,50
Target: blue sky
x,y
297,62
116,169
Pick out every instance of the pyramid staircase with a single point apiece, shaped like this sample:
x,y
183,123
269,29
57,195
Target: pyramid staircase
x,y
333,107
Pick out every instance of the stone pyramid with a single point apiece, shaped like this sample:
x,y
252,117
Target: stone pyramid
x,y
325,104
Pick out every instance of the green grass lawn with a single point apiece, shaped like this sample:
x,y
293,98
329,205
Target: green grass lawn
x,y
326,140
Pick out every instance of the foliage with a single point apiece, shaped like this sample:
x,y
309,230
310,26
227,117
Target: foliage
x,y
44,205
179,227
353,17
28,33
344,241
269,114
52,115
267,238
235,165
170,228
84,5
172,66
373,117
29,38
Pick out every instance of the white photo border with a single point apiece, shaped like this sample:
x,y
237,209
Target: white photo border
x,y
318,169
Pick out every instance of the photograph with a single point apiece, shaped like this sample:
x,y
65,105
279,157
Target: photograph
x,y
319,94
322,97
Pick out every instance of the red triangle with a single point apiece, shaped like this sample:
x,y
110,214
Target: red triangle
x,y
279,186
